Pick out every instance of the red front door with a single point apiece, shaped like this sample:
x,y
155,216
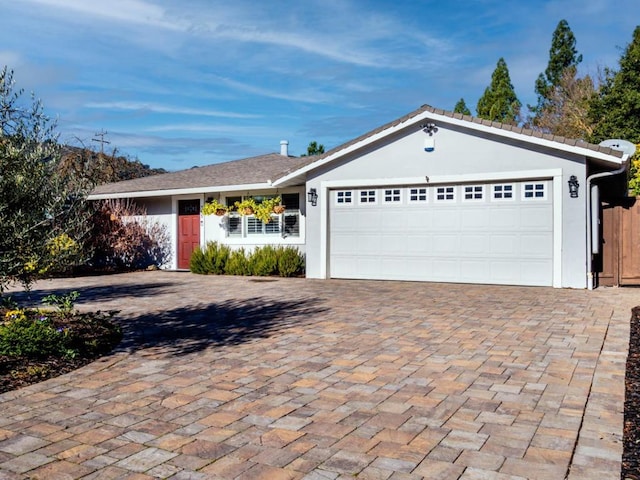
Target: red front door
x,y
188,230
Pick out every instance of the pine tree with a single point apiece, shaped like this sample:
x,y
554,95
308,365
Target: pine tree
x,y
499,102
461,107
616,108
562,55
314,149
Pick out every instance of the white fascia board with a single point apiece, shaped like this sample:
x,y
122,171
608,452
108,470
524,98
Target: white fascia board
x,y
181,191
578,150
463,124
440,179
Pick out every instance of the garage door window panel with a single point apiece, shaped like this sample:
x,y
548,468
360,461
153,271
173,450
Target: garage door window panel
x,y
473,193
367,197
534,191
503,192
418,195
446,194
392,195
344,197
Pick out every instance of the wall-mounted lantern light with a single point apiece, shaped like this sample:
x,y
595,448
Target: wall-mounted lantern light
x,y
573,186
312,197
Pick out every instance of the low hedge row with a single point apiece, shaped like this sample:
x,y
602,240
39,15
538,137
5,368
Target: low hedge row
x,y
216,259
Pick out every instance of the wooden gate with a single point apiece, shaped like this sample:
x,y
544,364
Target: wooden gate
x,y
620,258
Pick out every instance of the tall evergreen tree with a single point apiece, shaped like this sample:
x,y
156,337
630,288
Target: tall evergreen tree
x,y
562,55
314,148
499,102
616,108
461,107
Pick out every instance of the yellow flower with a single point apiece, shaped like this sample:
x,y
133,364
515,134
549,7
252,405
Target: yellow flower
x,y
30,266
61,244
12,315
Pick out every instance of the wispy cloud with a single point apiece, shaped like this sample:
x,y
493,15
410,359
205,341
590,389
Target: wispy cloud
x,y
129,11
158,108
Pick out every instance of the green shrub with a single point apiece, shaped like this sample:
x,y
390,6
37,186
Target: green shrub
x,y
210,261
263,261
40,334
290,261
218,257
197,263
238,263
35,338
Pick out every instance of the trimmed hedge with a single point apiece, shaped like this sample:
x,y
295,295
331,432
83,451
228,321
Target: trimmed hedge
x,y
218,259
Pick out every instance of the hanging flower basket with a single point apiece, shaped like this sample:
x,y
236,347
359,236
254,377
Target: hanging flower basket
x,y
246,207
214,207
278,209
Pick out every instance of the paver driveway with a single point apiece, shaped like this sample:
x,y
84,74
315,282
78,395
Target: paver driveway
x,y
223,377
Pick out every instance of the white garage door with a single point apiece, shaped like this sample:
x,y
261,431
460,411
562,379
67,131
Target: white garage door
x,y
499,233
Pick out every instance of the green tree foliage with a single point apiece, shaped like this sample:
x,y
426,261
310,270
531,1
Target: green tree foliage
x,y
314,148
615,110
461,107
42,222
562,55
499,102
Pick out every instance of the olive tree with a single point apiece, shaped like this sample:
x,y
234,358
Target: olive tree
x,y
42,215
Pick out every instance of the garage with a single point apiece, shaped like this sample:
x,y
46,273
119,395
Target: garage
x,y
497,233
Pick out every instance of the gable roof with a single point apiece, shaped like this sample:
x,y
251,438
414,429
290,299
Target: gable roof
x,y
253,172
275,170
427,112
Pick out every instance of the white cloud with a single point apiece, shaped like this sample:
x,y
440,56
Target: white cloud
x,y
129,11
158,108
9,58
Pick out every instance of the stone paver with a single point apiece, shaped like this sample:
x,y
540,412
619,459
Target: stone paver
x,y
229,377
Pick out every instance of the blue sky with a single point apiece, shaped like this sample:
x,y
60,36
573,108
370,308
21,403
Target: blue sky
x,y
196,82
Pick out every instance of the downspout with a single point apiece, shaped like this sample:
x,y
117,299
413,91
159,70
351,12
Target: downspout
x,y
590,180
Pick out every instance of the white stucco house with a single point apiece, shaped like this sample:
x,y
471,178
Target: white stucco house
x,y
432,196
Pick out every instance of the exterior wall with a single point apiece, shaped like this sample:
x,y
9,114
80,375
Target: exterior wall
x,y
159,210
460,155
212,228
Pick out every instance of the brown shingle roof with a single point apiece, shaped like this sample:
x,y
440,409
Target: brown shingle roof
x,y
260,169
273,166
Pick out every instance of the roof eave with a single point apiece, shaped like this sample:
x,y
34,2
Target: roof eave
x,y
481,127
180,191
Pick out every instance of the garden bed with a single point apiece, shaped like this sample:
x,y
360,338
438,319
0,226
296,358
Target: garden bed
x,y
37,344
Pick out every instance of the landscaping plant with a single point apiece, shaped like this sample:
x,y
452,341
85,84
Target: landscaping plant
x,y
37,343
218,259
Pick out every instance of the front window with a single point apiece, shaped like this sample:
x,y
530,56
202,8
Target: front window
x,y
286,224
